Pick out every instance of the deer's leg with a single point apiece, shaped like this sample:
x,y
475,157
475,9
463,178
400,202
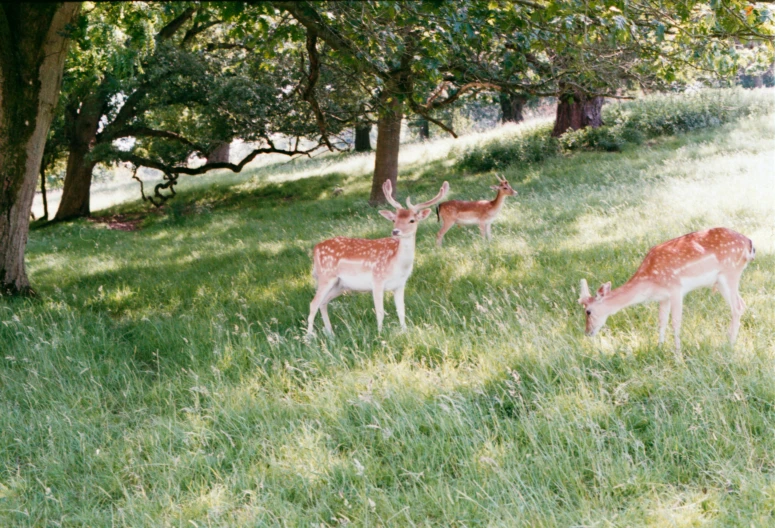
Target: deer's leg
x,y
489,231
446,226
398,295
728,287
483,230
676,304
317,300
335,292
664,314
379,307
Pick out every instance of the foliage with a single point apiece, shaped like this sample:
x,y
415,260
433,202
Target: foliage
x,y
529,145
625,123
161,377
667,114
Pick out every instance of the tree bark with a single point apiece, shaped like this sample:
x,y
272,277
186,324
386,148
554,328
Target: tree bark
x,y
575,110
83,136
219,154
362,137
511,107
43,193
388,137
423,129
33,47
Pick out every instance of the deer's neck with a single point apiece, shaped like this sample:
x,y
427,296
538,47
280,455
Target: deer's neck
x,y
497,203
406,247
628,294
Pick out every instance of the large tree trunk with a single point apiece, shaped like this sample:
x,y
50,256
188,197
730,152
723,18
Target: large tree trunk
x,y
33,47
220,154
575,110
362,137
388,137
83,134
511,107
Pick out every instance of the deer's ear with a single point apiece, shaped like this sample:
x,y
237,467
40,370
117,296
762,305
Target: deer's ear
x,y
495,187
422,215
390,215
604,290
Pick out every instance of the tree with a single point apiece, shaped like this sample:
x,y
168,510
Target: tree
x,y
188,81
593,48
511,107
33,46
363,136
409,50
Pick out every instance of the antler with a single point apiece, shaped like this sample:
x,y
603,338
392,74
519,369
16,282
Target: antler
x,y
500,179
387,189
432,201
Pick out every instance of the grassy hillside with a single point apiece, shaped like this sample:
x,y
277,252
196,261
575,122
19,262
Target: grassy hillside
x,y
161,377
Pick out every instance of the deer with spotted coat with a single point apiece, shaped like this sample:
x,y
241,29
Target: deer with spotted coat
x,y
355,264
479,212
710,258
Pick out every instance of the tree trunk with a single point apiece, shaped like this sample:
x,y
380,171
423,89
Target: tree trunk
x,y
43,192
575,110
511,107
388,137
75,193
83,136
423,129
362,137
219,154
33,47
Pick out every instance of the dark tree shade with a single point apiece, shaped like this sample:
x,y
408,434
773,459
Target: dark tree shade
x,y
362,137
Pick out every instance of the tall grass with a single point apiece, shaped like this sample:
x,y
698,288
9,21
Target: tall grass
x,y
161,377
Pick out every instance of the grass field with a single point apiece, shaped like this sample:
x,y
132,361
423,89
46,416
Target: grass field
x,y
161,377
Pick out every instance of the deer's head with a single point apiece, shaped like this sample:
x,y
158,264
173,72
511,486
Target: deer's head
x,y
405,221
596,313
503,187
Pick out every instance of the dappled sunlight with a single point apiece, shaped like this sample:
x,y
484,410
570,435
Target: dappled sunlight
x,y
306,455
681,509
736,190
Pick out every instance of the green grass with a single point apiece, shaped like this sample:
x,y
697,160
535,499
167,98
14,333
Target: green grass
x,y
161,377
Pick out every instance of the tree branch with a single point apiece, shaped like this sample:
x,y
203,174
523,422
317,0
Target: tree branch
x,y
311,19
170,29
193,171
151,132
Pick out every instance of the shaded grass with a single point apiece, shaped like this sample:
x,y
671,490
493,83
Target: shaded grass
x,y
161,377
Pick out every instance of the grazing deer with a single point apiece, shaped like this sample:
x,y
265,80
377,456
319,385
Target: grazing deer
x,y
355,264
714,257
482,212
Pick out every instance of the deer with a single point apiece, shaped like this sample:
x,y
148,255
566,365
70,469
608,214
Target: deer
x,y
482,212
711,258
356,264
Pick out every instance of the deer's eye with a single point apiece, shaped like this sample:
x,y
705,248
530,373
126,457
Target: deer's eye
x,y
411,221
589,312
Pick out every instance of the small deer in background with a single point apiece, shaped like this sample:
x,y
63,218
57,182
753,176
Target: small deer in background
x,y
355,264
714,257
482,212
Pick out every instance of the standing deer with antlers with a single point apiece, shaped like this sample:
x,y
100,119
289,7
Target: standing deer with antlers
x,y
714,257
355,264
482,212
